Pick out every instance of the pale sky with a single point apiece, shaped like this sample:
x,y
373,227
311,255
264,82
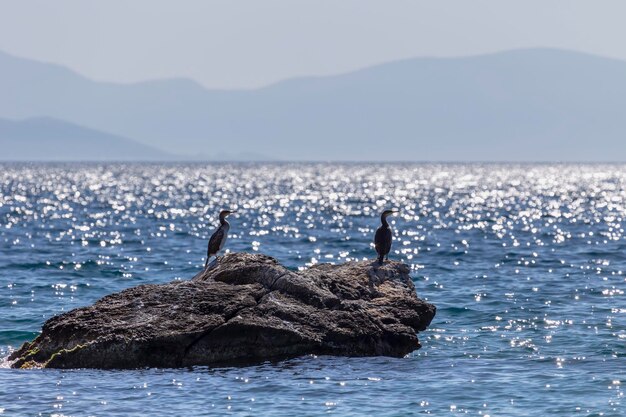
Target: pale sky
x,y
248,44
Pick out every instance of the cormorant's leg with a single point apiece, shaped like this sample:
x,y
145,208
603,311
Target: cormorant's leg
x,y
380,259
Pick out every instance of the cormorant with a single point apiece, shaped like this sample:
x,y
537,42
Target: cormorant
x,y
218,238
383,237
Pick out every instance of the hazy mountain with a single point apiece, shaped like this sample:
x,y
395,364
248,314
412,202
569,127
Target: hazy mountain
x,y
45,139
536,105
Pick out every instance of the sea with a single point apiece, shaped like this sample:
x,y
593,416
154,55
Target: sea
x,y
526,264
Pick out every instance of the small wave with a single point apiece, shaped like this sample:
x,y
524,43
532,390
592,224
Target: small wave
x,y
16,337
5,363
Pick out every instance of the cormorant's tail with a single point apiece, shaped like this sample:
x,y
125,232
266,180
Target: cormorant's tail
x,y
210,264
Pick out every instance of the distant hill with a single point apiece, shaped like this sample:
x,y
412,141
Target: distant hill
x,y
522,105
45,139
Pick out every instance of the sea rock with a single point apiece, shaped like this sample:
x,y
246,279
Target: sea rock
x,y
245,309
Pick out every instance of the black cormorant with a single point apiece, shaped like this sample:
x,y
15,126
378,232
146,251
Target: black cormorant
x,y
383,237
218,238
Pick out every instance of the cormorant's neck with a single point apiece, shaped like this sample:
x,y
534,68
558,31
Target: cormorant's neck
x,y
223,220
383,220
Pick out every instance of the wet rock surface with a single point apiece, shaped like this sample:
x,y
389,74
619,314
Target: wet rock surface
x,y
245,309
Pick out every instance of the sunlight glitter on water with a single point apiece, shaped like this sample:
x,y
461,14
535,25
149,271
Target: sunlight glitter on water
x,y
524,262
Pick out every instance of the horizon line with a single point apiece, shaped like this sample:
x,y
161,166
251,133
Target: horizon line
x,y
320,161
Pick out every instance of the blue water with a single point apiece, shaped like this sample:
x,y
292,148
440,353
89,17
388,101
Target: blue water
x,y
525,263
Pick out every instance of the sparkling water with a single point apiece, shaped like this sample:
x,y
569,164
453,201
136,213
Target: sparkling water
x,y
525,263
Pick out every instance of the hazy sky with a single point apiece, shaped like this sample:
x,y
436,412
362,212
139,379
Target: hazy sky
x,y
242,44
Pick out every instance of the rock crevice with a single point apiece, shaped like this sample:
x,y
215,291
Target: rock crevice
x,y
245,309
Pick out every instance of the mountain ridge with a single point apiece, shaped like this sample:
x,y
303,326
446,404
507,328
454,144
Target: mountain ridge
x,y
520,105
49,139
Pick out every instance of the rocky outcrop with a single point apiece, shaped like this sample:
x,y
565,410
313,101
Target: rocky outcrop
x,y
247,308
